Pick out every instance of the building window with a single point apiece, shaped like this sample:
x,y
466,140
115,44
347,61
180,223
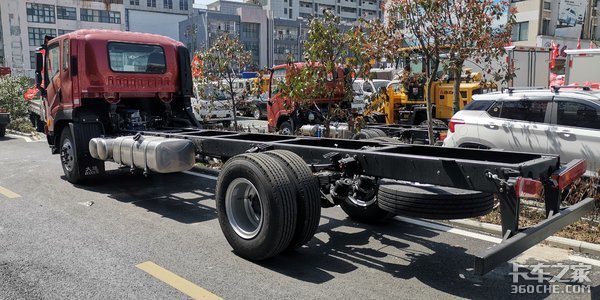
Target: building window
x,y
168,4
250,30
40,13
285,10
64,31
547,5
546,27
100,16
32,59
291,14
134,2
36,35
151,3
66,13
520,31
183,4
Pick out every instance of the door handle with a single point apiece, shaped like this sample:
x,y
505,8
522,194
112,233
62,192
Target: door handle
x,y
491,126
565,134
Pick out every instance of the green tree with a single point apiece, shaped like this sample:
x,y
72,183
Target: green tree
x,y
12,89
330,46
220,65
420,22
476,32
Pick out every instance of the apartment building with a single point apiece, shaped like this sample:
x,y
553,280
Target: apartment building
x,y
156,16
348,10
24,24
564,22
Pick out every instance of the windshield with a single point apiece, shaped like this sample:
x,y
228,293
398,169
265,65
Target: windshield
x,y
380,84
136,58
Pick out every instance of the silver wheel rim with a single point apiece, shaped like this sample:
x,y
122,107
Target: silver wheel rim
x,y
66,155
257,114
359,201
286,131
244,208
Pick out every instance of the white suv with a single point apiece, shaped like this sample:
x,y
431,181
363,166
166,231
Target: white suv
x,y
563,122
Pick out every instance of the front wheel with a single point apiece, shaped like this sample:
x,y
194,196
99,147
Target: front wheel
x,y
286,128
257,113
2,130
69,158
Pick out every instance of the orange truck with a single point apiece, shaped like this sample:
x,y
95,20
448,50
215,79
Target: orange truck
x,y
287,117
109,83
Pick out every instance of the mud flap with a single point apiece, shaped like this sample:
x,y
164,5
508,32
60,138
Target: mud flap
x,y
82,133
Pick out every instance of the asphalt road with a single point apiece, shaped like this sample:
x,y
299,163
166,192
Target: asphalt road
x,y
103,241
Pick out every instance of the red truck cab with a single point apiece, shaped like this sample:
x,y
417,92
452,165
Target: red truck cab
x,y
102,82
282,114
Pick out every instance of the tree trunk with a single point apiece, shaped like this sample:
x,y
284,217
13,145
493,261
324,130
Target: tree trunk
x,y
429,112
456,91
233,108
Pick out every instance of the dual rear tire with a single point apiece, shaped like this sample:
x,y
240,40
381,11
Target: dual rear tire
x,y
267,203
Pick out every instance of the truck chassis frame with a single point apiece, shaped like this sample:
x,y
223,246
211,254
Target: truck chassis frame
x,y
480,170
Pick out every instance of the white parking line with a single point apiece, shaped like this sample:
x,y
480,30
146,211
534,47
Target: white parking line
x,y
200,175
449,229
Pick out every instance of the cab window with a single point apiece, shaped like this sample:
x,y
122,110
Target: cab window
x,y
577,115
53,63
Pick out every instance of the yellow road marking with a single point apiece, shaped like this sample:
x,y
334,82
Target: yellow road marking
x,y
176,281
8,193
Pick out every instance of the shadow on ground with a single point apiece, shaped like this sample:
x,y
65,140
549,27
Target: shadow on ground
x,y
404,251
179,196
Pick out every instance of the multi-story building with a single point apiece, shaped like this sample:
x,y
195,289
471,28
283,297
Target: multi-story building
x,y
24,24
564,22
348,10
246,21
274,31
156,16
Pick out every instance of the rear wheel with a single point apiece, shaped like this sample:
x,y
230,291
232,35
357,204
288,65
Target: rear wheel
x,y
308,195
2,130
256,205
361,205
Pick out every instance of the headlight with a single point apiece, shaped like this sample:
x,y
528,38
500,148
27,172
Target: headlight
x,y
311,117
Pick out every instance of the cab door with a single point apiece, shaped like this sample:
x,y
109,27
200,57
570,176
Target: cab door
x,y
53,84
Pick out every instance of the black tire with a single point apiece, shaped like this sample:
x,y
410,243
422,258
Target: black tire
x,y
286,128
38,124
364,134
308,196
432,202
69,157
2,130
257,114
436,123
379,132
367,212
276,200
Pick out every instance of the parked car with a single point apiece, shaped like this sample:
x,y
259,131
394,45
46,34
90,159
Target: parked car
x,y
255,107
217,110
4,120
564,122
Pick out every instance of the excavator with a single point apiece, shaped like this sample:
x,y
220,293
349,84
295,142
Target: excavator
x,y
403,101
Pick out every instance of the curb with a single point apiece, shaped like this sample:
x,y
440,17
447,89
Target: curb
x,y
20,133
554,241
